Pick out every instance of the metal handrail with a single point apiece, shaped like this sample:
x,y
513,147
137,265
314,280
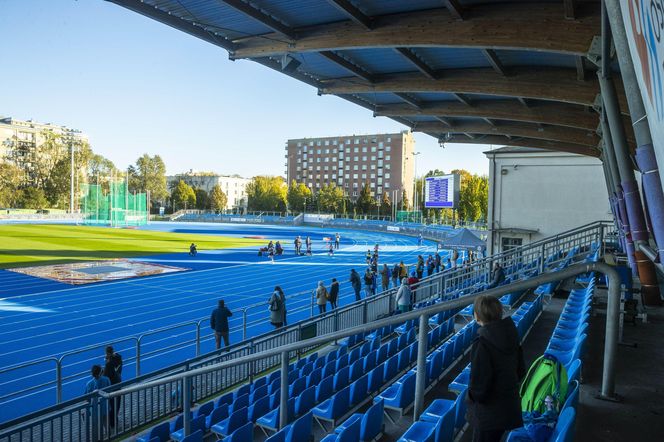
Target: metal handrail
x,y
608,376
479,269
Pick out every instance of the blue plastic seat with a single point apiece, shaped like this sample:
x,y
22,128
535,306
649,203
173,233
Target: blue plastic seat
x,y
371,426
572,395
369,361
273,376
231,423
271,419
224,399
460,383
419,431
341,379
260,382
258,408
305,401
375,380
314,377
197,424
177,423
349,433
297,387
301,429
319,363
275,398
382,355
258,393
325,389
196,436
244,389
329,369
273,386
160,431
353,356
460,413
574,371
390,368
240,402
333,408
358,390
399,396
242,434
218,414
435,368
205,409
437,409
341,363
403,359
564,429
392,347
306,369
356,370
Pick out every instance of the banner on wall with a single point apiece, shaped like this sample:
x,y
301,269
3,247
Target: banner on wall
x,y
644,26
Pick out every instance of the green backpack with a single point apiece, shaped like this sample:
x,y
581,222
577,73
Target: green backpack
x,y
546,377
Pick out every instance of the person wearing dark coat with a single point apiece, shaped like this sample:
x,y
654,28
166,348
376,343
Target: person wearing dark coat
x,y
496,370
219,323
334,293
498,276
356,282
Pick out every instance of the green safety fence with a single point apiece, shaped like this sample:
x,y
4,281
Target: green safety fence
x,y
116,207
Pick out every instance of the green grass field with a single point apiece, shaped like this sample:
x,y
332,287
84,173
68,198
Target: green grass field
x,y
37,244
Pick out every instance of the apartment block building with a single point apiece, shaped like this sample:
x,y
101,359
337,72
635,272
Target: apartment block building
x,y
385,162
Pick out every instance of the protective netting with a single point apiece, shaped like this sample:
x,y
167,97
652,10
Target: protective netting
x,y
115,207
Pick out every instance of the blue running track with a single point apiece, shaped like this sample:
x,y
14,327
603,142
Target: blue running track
x,y
43,319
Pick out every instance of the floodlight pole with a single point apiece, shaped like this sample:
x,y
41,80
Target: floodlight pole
x,y
71,178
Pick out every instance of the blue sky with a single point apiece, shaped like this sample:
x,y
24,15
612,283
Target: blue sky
x,y
134,85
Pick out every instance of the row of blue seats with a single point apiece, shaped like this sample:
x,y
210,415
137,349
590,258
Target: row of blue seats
x,y
443,418
567,345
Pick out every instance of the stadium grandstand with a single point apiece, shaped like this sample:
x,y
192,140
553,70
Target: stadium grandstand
x,y
574,76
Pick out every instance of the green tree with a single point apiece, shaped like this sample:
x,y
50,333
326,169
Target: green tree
x,y
149,175
202,199
218,198
183,196
298,193
33,198
404,202
330,198
267,193
365,202
385,204
11,179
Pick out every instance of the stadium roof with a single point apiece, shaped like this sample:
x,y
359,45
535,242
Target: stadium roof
x,y
464,71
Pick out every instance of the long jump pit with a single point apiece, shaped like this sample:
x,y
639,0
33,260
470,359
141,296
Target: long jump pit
x,y
89,272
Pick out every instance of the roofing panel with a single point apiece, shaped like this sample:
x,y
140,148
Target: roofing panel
x,y
299,13
452,58
379,61
226,20
380,98
320,66
434,96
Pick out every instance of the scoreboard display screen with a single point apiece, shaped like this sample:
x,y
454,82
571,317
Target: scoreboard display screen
x,y
441,192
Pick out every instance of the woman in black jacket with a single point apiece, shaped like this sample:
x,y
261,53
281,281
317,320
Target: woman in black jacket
x,y
496,369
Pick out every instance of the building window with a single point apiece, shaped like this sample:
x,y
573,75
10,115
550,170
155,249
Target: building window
x,y
335,142
356,150
347,167
389,139
373,176
347,141
373,167
388,157
387,176
355,193
364,167
388,148
510,243
319,151
373,157
355,167
380,144
388,166
364,176
299,144
327,168
387,185
317,167
373,148
347,176
354,176
327,142
356,158
364,158
326,176
357,141
364,149
318,143
380,154
327,151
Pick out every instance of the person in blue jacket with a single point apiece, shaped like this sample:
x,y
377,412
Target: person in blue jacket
x,y
98,382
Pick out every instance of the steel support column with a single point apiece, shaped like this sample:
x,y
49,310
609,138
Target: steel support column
x,y
421,379
283,395
186,405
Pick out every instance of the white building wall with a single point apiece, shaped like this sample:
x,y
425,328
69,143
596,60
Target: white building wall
x,y
534,194
235,188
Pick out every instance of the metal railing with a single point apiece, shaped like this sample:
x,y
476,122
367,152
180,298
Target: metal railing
x,y
367,310
155,399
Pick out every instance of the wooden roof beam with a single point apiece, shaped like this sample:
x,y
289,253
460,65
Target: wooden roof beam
x,y
445,121
532,26
556,114
580,68
565,135
261,17
526,142
494,60
455,8
353,13
417,62
350,67
523,101
552,84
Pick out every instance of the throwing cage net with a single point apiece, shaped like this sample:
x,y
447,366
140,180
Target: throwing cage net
x,y
116,207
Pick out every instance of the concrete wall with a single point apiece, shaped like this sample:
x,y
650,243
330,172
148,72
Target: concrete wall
x,y
535,194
